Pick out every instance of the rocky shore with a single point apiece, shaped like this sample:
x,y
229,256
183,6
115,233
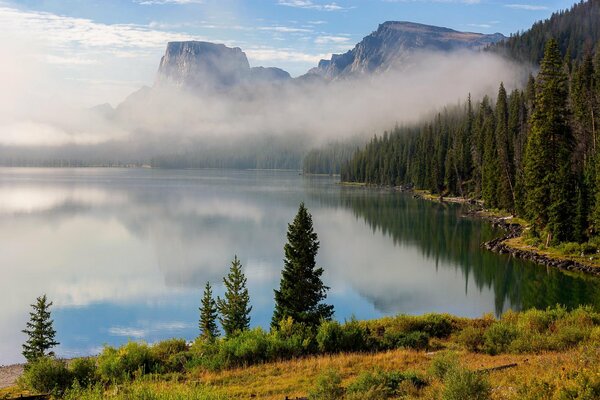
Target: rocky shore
x,y
500,246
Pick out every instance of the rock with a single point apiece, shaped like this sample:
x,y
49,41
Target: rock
x,y
204,66
393,43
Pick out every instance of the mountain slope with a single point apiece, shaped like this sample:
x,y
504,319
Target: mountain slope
x,y
393,43
209,66
577,31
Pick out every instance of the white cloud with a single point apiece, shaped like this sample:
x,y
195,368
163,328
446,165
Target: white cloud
x,y
310,5
326,39
285,54
528,7
284,29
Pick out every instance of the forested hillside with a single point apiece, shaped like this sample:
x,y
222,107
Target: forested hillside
x,y
531,151
576,30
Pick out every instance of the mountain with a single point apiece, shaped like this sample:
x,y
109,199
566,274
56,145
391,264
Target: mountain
x,y
209,66
576,30
393,43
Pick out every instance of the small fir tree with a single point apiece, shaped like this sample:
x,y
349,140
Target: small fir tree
x,y
208,315
301,290
235,307
40,332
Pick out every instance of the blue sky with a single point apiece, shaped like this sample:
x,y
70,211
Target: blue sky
x,y
107,47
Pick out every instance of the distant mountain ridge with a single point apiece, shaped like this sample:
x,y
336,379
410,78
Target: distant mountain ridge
x,y
208,66
393,43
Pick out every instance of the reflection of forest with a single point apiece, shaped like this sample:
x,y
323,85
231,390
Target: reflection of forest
x,y
442,233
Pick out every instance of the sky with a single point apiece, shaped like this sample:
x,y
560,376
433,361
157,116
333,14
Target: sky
x,y
101,50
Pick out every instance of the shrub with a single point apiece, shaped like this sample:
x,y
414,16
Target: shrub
x,y
588,248
412,340
121,364
463,384
329,387
246,348
84,371
442,363
472,338
170,355
570,248
46,375
498,338
385,384
354,336
291,340
329,337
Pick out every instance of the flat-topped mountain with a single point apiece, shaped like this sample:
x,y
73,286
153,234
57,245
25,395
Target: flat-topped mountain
x,y
393,42
204,65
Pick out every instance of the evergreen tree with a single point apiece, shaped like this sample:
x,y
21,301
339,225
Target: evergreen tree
x,y
301,290
235,307
40,332
548,156
505,190
208,314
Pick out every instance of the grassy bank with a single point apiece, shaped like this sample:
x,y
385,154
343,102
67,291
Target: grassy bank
x,y
542,354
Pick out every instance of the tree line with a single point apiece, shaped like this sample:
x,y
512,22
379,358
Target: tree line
x,y
532,151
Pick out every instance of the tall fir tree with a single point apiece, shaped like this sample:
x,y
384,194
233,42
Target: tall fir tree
x,y
40,331
208,315
548,156
505,190
490,168
301,290
235,307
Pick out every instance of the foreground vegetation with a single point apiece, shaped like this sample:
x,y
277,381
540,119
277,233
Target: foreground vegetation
x,y
556,352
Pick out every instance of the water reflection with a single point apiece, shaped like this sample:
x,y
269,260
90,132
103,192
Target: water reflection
x,y
125,253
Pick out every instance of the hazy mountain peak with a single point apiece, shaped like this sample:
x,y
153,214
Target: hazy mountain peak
x,y
393,42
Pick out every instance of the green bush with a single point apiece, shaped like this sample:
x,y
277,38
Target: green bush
x,y
170,355
291,340
570,248
84,371
46,375
442,363
498,338
462,384
329,337
589,248
472,338
122,363
411,340
329,387
246,348
386,384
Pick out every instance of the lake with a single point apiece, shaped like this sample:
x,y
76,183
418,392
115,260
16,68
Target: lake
x,y
125,253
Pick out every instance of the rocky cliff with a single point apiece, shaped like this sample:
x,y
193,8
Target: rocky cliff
x,y
393,43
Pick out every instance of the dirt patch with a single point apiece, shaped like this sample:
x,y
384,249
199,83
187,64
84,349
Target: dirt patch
x,y
9,374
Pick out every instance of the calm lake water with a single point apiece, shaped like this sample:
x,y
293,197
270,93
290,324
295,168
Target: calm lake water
x,y
125,253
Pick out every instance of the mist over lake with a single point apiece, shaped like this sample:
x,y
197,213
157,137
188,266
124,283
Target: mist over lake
x,y
124,253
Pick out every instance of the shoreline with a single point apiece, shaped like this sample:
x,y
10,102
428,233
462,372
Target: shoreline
x,y
510,243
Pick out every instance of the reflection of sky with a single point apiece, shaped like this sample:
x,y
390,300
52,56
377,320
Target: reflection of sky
x,y
125,253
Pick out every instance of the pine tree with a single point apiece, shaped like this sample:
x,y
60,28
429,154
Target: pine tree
x,y
301,290
548,156
40,332
235,307
505,190
208,315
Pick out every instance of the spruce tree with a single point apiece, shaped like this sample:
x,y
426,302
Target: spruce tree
x,y
548,173
208,315
40,331
505,191
235,307
301,290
